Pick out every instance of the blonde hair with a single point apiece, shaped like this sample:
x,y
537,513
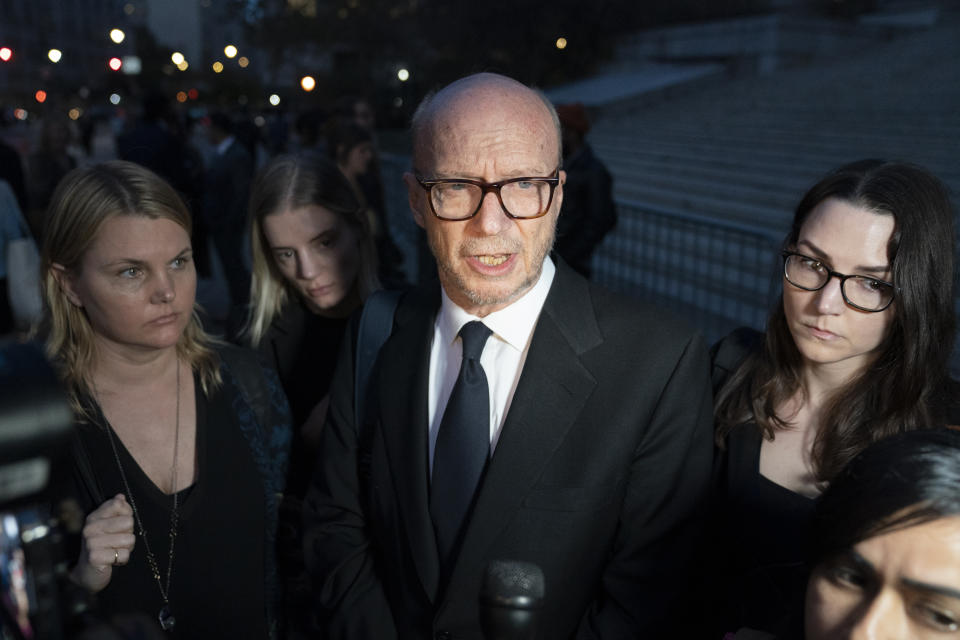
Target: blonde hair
x,y
291,182
83,200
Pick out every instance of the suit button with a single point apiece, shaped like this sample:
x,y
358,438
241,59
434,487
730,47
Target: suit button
x,y
442,635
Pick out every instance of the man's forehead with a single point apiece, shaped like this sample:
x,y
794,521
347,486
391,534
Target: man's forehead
x,y
514,139
478,106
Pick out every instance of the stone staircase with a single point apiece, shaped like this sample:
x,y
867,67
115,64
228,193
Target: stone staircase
x,y
742,152
746,149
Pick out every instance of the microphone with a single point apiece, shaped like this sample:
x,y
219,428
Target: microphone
x,y
511,597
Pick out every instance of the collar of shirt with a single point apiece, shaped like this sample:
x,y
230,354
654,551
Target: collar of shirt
x,y
513,324
502,359
224,145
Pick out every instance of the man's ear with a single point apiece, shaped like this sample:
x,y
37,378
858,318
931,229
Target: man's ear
x,y
558,192
65,281
415,196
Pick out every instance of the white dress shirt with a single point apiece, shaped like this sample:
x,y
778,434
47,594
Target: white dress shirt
x,y
502,359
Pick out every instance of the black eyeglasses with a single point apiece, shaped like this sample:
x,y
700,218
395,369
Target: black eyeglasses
x,y
461,198
860,292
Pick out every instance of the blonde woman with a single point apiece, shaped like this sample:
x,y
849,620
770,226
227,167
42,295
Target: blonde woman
x,y
182,443
314,263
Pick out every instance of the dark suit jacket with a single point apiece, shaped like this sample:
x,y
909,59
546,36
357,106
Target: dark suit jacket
x,y
598,477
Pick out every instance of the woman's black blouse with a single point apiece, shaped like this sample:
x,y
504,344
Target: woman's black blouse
x,y
217,580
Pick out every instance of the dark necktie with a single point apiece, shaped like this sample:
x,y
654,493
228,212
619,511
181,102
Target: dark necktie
x,y
463,444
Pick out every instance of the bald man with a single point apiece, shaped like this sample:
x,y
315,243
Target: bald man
x,y
593,411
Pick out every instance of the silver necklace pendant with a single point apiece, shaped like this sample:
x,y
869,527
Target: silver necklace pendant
x,y
167,621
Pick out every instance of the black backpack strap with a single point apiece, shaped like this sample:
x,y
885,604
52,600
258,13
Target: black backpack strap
x,y
376,325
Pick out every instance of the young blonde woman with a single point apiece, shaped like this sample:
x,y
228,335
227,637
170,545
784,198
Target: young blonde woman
x,y
314,264
182,444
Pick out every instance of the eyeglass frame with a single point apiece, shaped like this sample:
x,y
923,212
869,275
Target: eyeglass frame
x,y
841,277
487,187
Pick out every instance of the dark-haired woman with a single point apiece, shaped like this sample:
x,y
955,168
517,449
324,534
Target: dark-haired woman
x,y
856,350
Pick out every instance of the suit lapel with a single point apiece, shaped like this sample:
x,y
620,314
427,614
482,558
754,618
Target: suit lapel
x,y
551,392
403,401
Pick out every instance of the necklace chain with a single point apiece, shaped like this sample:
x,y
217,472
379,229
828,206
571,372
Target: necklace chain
x,y
151,559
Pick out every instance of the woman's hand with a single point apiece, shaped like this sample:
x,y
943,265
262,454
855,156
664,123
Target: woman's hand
x,y
107,541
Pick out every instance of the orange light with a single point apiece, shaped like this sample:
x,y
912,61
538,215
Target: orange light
x,y
6,53
181,96
307,83
115,64
193,94
40,95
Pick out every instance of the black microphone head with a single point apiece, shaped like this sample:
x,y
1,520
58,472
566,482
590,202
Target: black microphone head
x,y
513,583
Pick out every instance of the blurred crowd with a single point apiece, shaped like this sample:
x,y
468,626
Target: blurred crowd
x,y
209,156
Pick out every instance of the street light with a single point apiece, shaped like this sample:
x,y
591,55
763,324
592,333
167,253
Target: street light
x,y
243,61
6,53
403,75
308,83
274,99
117,35
561,43
183,65
230,51
217,66
176,58
54,55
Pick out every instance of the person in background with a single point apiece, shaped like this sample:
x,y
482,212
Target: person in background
x,y
13,228
181,443
515,412
46,165
589,212
308,128
225,192
351,147
11,170
856,350
314,264
357,110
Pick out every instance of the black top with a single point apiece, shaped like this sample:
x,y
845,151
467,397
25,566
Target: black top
x,y
217,582
759,545
763,527
303,348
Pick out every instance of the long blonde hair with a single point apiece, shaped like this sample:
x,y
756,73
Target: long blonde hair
x,y
291,182
84,199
